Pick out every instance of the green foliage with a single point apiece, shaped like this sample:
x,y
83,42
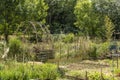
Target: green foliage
x,y
88,20
91,75
117,71
15,46
78,47
88,16
9,17
68,38
27,72
60,16
1,49
109,28
14,12
35,10
1,66
94,76
93,52
109,8
99,76
103,49
100,50
82,47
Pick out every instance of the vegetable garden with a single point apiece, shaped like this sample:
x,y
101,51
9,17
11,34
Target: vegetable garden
x,y
59,40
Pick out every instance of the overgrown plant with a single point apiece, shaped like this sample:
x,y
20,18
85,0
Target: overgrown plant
x,y
15,46
109,28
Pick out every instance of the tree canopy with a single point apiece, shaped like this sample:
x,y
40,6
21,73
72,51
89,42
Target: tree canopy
x,y
81,17
13,12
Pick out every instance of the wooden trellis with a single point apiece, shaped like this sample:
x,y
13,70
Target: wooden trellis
x,y
40,49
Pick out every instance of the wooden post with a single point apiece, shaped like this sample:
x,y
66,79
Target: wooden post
x,y
68,52
113,66
86,75
23,57
75,45
101,74
58,64
60,51
117,61
15,58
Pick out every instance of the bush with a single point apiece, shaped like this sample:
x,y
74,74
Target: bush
x,y
68,38
100,50
98,76
93,52
15,46
103,49
95,76
117,72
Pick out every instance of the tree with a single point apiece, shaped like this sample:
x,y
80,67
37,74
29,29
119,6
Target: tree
x,y
34,10
61,16
7,9
109,28
111,8
88,20
13,12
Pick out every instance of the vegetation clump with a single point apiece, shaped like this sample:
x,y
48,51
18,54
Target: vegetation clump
x,y
29,71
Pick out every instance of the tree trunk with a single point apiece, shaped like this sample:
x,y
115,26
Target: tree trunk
x,y
6,32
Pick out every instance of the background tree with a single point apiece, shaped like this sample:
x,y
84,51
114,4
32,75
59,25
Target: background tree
x,y
13,12
61,16
7,15
88,20
111,8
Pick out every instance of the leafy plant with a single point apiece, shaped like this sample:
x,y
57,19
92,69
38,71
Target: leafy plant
x,y
93,52
15,46
117,72
109,28
27,72
69,38
103,49
99,76
94,76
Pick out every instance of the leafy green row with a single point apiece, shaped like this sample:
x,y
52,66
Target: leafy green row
x,y
27,72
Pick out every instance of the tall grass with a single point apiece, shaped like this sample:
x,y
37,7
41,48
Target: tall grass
x,y
81,47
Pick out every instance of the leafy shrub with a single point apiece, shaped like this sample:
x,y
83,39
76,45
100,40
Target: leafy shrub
x,y
117,72
68,38
100,50
15,46
93,52
103,49
98,76
94,76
